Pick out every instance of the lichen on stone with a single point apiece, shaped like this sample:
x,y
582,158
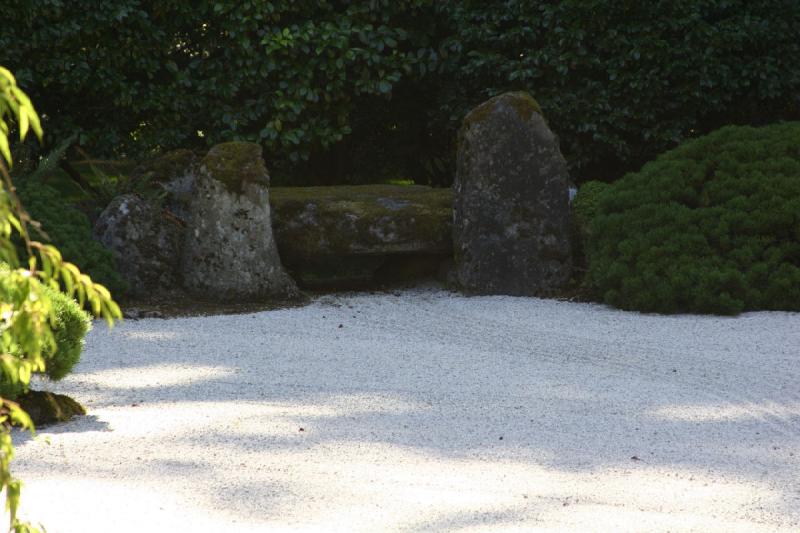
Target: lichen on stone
x,y
235,164
523,103
346,233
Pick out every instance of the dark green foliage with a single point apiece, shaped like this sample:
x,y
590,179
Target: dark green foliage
x,y
585,205
584,210
69,330
621,82
712,226
136,75
350,92
70,231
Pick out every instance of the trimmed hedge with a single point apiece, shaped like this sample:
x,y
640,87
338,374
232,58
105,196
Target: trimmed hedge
x,y
712,226
69,330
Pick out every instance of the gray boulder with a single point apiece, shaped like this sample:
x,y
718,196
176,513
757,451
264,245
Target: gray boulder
x,y
511,201
145,243
229,251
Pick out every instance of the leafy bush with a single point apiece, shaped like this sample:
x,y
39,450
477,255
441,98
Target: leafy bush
x,y
622,82
69,327
27,313
378,87
712,226
137,75
70,230
586,204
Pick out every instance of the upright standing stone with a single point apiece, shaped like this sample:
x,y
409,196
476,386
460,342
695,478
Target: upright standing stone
x,y
510,202
230,252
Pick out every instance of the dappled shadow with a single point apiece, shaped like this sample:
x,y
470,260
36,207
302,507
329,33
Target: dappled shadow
x,y
442,412
78,424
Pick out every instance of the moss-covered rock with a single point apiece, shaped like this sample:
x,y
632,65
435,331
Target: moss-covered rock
x,y
511,201
229,251
146,245
521,102
49,408
348,234
236,163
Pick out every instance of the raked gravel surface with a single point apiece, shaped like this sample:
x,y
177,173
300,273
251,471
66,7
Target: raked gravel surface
x,y
423,411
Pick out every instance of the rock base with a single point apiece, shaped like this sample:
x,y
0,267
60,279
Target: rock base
x,y
49,408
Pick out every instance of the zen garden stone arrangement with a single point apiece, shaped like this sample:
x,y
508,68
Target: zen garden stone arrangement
x,y
505,228
370,284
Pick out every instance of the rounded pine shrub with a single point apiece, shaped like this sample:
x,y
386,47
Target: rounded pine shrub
x,y
70,231
712,226
584,208
69,330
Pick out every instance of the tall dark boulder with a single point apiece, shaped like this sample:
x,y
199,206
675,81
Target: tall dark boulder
x,y
511,201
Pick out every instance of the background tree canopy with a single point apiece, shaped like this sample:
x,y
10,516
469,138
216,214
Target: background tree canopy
x,y
341,91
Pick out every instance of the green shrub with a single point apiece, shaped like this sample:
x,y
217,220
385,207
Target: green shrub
x,y
71,326
586,203
136,76
584,210
71,232
27,311
712,226
69,329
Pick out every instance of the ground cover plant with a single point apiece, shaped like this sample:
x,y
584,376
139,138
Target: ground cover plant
x,y
712,226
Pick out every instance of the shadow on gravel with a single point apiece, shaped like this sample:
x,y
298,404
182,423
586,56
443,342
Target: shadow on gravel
x,y
577,396
79,424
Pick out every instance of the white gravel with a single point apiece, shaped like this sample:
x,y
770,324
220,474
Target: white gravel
x,y
427,411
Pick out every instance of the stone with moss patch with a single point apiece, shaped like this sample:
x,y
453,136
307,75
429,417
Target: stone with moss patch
x,y
229,251
169,165
49,408
146,244
235,164
359,234
511,201
523,104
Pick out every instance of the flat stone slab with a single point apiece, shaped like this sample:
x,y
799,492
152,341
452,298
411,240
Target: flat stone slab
x,y
347,234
